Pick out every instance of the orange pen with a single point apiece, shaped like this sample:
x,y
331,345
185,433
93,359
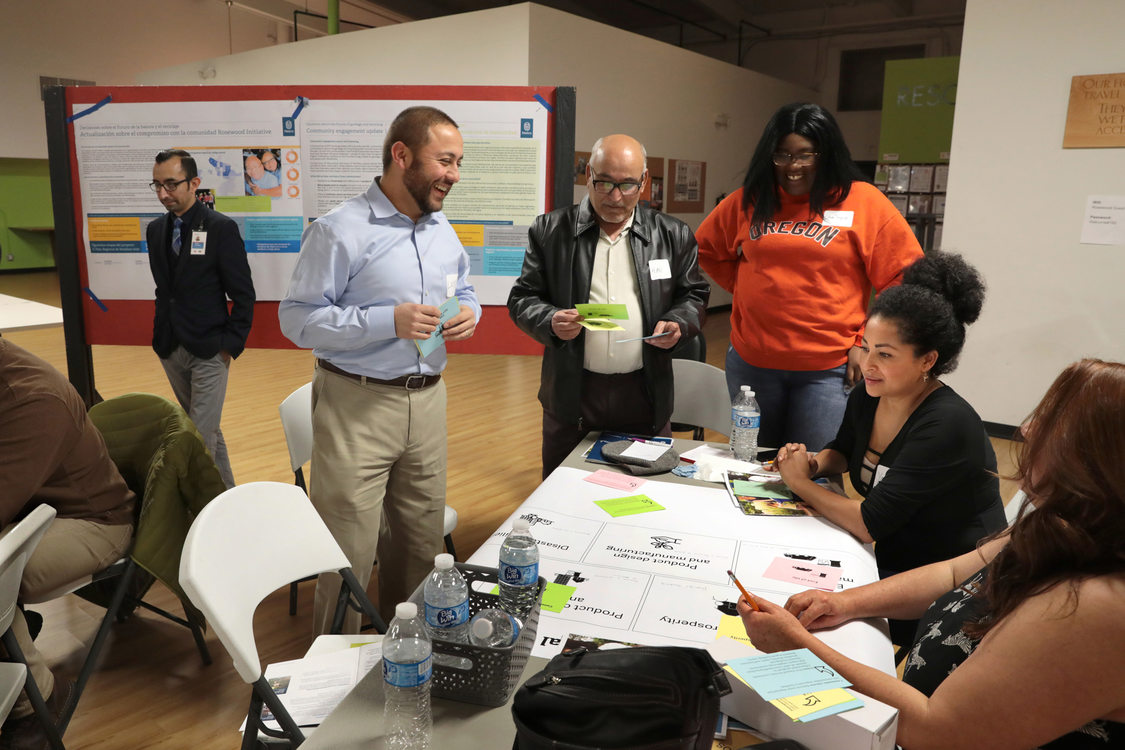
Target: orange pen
x,y
745,593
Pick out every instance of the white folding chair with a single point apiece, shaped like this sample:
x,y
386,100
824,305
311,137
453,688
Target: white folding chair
x,y
296,423
227,572
16,548
701,398
12,678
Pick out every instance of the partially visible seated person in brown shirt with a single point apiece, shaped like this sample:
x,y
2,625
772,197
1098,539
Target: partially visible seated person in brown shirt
x,y
53,455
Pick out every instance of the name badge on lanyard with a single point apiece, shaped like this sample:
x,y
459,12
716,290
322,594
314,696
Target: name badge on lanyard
x,y
198,243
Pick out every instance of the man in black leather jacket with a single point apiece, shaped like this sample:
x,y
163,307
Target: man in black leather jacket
x,y
607,249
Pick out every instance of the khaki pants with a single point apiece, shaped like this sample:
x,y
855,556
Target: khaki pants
x,y
378,481
71,548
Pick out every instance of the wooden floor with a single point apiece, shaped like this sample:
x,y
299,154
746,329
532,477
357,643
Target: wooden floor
x,y
151,691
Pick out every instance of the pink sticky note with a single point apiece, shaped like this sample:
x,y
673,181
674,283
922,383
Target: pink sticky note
x,y
803,573
608,478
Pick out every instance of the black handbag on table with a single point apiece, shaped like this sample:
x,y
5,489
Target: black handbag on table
x,y
642,698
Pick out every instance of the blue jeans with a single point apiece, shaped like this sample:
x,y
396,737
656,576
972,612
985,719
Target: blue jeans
x,y
797,406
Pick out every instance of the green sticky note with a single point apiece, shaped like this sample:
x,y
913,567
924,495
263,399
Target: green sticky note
x,y
243,204
761,489
628,506
598,310
555,597
599,324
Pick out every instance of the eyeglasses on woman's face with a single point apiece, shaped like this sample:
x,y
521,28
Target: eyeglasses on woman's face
x,y
782,159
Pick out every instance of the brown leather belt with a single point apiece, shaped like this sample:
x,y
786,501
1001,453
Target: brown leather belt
x,y
409,382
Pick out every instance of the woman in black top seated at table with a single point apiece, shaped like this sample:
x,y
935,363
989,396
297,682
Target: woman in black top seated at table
x,y
1028,651
915,450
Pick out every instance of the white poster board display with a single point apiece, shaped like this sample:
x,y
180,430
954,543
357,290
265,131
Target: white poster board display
x,y
320,153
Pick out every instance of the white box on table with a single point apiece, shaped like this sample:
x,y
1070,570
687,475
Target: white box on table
x,y
872,727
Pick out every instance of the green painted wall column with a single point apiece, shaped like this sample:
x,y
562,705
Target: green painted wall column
x,y
27,220
333,16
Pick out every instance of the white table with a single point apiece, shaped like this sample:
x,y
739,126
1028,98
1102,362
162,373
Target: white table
x,y
357,723
658,578
659,599
22,314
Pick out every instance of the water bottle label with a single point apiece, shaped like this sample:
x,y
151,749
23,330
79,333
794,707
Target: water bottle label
x,y
519,575
746,422
407,674
447,617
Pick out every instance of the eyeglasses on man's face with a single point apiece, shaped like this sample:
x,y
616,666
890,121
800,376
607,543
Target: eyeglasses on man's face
x,y
782,159
168,187
606,186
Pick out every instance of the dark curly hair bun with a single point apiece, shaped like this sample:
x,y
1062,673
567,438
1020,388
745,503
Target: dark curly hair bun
x,y
951,277
940,294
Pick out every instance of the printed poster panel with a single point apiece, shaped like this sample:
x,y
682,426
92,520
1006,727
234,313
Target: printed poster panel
x,y
695,556
558,535
274,175
247,169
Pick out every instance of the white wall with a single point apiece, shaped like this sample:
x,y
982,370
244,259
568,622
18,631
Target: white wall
x,y
108,43
1017,198
663,95
483,48
814,61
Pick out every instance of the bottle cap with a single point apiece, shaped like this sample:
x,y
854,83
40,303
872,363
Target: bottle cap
x,y
482,628
444,561
520,525
406,611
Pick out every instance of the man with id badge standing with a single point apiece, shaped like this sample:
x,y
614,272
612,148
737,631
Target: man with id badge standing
x,y
198,260
608,250
378,276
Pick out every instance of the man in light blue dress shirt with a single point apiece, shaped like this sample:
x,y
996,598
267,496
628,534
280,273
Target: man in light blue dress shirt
x,y
368,283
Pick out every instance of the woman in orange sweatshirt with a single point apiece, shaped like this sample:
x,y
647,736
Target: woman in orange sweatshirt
x,y
801,245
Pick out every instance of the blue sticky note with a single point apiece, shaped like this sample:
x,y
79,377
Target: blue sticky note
x,y
787,673
448,309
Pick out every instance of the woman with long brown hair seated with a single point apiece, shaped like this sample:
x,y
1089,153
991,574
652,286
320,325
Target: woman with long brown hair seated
x,y
1021,642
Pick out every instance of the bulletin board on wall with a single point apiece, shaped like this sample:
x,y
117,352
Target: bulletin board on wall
x,y
686,185
326,142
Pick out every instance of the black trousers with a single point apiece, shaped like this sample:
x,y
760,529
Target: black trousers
x,y
614,403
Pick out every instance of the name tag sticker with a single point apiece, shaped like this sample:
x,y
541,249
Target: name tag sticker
x,y
838,218
198,243
658,268
450,285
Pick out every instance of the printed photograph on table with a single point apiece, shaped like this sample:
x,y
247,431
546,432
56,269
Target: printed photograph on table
x,y
763,498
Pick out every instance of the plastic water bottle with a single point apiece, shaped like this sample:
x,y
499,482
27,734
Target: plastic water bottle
x,y
447,602
407,667
493,628
519,571
745,419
